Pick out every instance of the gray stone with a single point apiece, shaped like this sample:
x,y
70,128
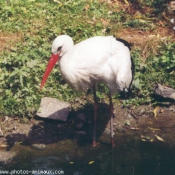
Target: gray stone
x,y
38,146
6,156
53,109
164,91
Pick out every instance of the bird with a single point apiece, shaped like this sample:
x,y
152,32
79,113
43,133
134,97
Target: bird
x,y
98,59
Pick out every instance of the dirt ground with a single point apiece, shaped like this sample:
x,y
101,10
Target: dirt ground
x,y
149,123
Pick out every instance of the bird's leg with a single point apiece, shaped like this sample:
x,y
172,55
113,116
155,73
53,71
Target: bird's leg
x,y
111,119
94,143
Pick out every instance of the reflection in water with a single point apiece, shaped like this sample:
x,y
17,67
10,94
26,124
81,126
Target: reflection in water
x,y
129,157
112,161
45,163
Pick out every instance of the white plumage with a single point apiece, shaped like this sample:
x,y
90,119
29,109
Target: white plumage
x,y
97,59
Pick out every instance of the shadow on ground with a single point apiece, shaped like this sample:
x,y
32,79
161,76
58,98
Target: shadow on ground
x,y
78,127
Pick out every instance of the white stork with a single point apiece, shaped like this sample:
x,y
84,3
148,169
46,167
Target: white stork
x,y
102,59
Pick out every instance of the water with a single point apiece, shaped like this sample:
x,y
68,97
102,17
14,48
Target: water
x,y
131,156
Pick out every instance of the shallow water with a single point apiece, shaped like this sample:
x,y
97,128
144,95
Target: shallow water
x,y
130,156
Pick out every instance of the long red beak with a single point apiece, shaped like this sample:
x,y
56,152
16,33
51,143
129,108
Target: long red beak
x,y
53,59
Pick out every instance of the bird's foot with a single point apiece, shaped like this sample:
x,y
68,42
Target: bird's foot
x,y
94,143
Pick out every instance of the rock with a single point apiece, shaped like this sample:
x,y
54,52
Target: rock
x,y
53,109
81,132
172,5
6,156
127,123
164,91
107,131
38,146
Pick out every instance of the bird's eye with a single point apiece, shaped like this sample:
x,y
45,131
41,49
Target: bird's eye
x,y
59,48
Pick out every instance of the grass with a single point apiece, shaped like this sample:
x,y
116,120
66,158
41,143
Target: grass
x,y
28,27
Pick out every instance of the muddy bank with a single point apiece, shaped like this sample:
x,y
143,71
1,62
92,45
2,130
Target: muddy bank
x,y
148,124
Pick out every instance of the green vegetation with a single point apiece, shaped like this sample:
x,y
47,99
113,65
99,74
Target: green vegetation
x,y
38,22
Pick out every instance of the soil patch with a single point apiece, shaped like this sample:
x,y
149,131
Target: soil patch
x,y
139,37
148,123
7,40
